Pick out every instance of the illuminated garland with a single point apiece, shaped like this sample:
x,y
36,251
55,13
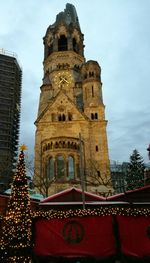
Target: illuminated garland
x,y
16,259
101,211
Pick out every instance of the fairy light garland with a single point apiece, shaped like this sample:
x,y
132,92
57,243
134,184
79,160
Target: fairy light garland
x,y
101,211
16,259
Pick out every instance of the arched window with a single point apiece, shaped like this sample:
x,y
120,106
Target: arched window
x,y
91,74
92,116
56,144
51,146
62,43
92,91
63,117
70,167
48,146
60,166
75,145
96,116
59,117
69,116
50,169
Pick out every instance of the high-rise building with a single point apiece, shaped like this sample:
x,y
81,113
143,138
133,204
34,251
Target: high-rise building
x,y
71,141
10,95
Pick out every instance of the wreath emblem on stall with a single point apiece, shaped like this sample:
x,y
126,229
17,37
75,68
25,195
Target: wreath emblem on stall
x,y
73,232
148,231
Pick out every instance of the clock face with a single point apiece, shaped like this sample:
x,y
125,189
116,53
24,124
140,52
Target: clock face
x,y
62,79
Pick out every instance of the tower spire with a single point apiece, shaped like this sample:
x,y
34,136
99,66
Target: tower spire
x,y
68,16
65,33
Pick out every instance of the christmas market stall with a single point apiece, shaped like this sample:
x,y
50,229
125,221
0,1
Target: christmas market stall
x,y
65,230
103,231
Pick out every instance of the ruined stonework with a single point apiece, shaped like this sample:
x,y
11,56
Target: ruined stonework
x,y
70,138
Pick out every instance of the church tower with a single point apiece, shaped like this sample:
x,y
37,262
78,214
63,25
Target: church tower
x,y
70,135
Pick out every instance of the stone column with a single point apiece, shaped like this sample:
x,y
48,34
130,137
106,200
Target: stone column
x,y
69,40
55,44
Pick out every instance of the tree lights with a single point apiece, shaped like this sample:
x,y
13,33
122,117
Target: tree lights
x,y
16,234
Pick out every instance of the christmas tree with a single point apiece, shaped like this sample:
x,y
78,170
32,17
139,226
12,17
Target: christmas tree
x,y
16,234
135,174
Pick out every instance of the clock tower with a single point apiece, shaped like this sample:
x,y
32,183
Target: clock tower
x,y
70,138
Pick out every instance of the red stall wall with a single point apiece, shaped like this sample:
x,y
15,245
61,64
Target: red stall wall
x,y
75,237
134,235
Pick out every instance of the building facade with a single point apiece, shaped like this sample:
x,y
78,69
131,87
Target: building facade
x,y
71,142
118,176
10,95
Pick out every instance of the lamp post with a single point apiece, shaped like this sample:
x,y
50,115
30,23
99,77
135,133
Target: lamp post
x,y
82,172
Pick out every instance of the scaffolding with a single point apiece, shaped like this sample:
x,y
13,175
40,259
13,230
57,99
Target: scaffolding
x,y
10,100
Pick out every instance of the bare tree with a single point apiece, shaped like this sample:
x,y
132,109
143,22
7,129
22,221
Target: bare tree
x,y
41,183
92,177
95,178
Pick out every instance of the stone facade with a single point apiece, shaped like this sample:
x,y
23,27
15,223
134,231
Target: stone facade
x,y
70,140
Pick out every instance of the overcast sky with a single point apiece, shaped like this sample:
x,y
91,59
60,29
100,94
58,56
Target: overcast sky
x,y
117,35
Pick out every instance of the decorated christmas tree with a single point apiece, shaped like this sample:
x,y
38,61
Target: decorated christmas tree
x,y
16,234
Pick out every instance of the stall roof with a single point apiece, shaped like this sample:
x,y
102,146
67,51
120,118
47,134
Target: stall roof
x,y
137,195
73,195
